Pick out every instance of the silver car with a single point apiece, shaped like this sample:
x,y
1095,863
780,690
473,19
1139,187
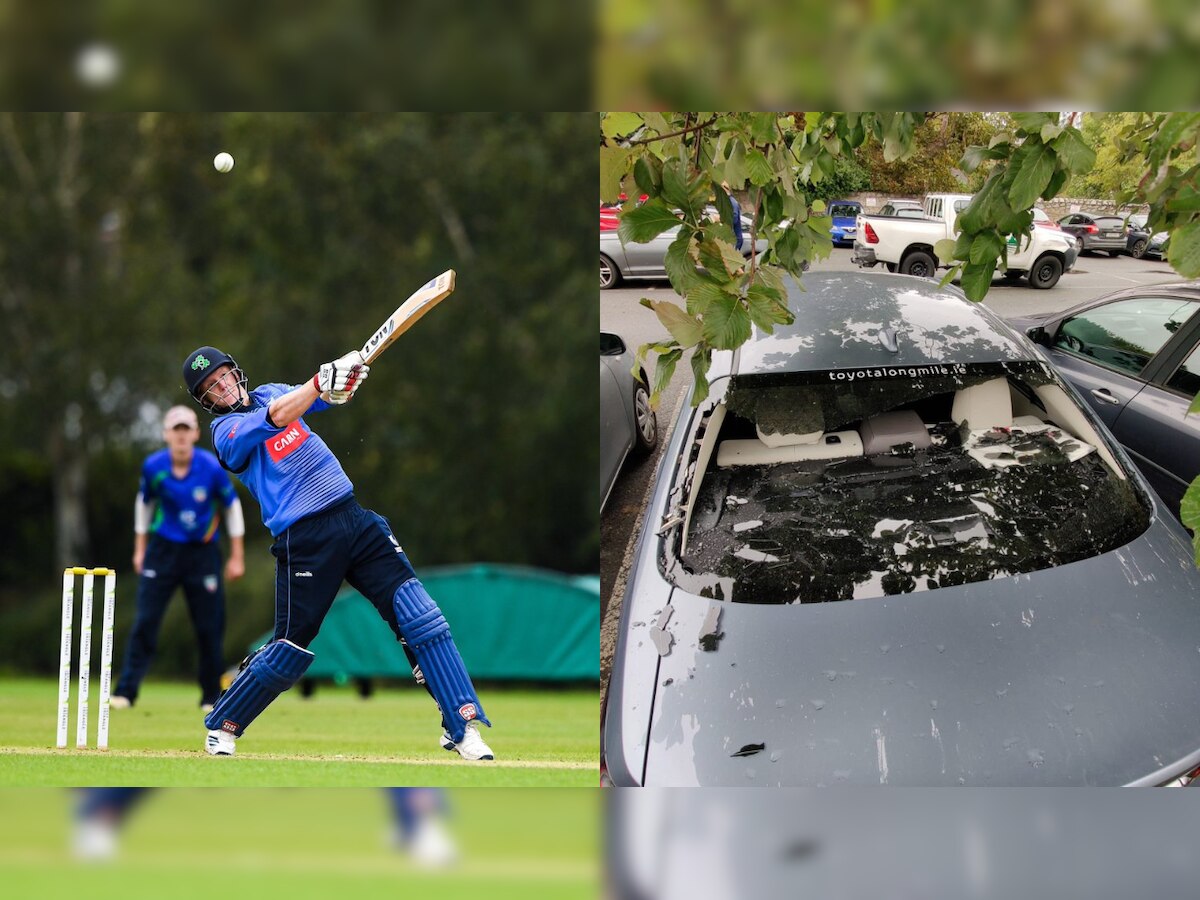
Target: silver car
x,y
894,546
631,261
627,421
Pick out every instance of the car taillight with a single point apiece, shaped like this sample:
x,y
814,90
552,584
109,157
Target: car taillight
x,y
1092,229
872,237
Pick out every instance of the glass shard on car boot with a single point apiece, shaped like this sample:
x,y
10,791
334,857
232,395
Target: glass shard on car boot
x,y
971,505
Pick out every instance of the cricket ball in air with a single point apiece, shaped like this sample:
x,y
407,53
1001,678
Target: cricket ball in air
x,y
222,162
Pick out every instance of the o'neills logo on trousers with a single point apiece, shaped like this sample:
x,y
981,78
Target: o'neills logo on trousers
x,y
287,441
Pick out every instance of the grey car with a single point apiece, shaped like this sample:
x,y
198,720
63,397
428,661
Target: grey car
x,y
1134,355
619,261
627,421
1096,232
892,546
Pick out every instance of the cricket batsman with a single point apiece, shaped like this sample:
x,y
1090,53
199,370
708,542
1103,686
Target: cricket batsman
x,y
322,537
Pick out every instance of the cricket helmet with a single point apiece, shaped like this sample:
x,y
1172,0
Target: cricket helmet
x,y
201,363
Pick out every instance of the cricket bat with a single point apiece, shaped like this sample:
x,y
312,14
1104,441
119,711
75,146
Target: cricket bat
x,y
407,314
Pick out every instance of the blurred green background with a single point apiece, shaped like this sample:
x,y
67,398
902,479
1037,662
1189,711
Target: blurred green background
x,y
304,843
122,249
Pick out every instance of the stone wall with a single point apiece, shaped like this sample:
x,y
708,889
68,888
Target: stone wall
x,y
1055,209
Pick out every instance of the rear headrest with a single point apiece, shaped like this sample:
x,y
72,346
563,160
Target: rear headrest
x,y
787,440
987,405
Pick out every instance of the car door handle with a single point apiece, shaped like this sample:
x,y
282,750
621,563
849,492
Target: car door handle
x,y
1104,396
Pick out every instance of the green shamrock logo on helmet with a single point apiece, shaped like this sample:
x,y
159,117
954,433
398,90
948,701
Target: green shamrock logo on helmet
x,y
200,363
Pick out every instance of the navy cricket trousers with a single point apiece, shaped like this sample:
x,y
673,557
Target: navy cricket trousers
x,y
315,555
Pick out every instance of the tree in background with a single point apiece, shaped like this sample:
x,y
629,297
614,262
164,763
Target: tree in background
x,y
931,166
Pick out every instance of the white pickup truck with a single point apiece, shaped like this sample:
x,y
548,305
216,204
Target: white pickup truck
x,y
905,245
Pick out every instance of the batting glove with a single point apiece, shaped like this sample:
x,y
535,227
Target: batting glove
x,y
342,374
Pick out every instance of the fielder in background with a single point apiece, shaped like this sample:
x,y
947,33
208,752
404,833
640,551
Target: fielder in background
x,y
175,543
322,536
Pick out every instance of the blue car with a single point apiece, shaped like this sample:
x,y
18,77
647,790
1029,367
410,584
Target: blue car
x,y
844,216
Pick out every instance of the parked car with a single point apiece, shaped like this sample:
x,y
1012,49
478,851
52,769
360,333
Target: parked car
x,y
620,261
1096,232
1142,243
1134,355
842,216
610,213
1040,217
627,421
893,546
907,245
907,208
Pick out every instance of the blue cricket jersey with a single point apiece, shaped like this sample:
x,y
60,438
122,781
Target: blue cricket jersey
x,y
291,472
185,508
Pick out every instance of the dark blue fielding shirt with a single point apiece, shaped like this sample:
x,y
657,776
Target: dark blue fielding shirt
x,y
186,509
291,472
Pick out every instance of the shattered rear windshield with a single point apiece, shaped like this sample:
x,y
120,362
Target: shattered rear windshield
x,y
837,485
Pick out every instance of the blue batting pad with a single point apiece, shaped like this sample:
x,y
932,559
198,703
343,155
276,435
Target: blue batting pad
x,y
271,671
427,634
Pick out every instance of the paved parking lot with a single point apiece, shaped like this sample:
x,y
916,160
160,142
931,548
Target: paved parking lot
x,y
620,312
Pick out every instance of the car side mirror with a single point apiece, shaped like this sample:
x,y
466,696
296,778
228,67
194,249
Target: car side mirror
x,y
1039,335
610,344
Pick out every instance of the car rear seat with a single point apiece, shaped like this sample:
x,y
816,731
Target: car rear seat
x,y
983,406
768,449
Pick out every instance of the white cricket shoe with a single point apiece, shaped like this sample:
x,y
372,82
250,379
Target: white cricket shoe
x,y
431,846
219,743
94,840
116,701
471,747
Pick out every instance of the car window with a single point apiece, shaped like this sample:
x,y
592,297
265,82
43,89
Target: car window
x,y
838,485
960,205
843,209
1124,334
1110,222
1186,379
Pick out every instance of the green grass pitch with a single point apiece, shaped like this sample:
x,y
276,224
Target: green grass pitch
x,y
334,739
302,844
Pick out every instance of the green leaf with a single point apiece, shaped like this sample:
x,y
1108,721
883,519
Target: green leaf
x,y
819,207
976,156
701,361
1183,253
721,259
658,122
646,222
726,323
648,173
675,185
944,249
614,166
1186,199
757,168
1057,180
678,261
1050,131
972,218
767,308
1033,121
986,246
1035,165
1189,514
977,279
685,329
773,201
771,277
664,369
1073,151
762,127
620,124
735,166
705,294
1195,405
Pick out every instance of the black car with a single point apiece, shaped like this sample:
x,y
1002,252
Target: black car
x,y
1135,357
893,546
1095,232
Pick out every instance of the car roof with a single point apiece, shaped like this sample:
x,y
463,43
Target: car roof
x,y
839,317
